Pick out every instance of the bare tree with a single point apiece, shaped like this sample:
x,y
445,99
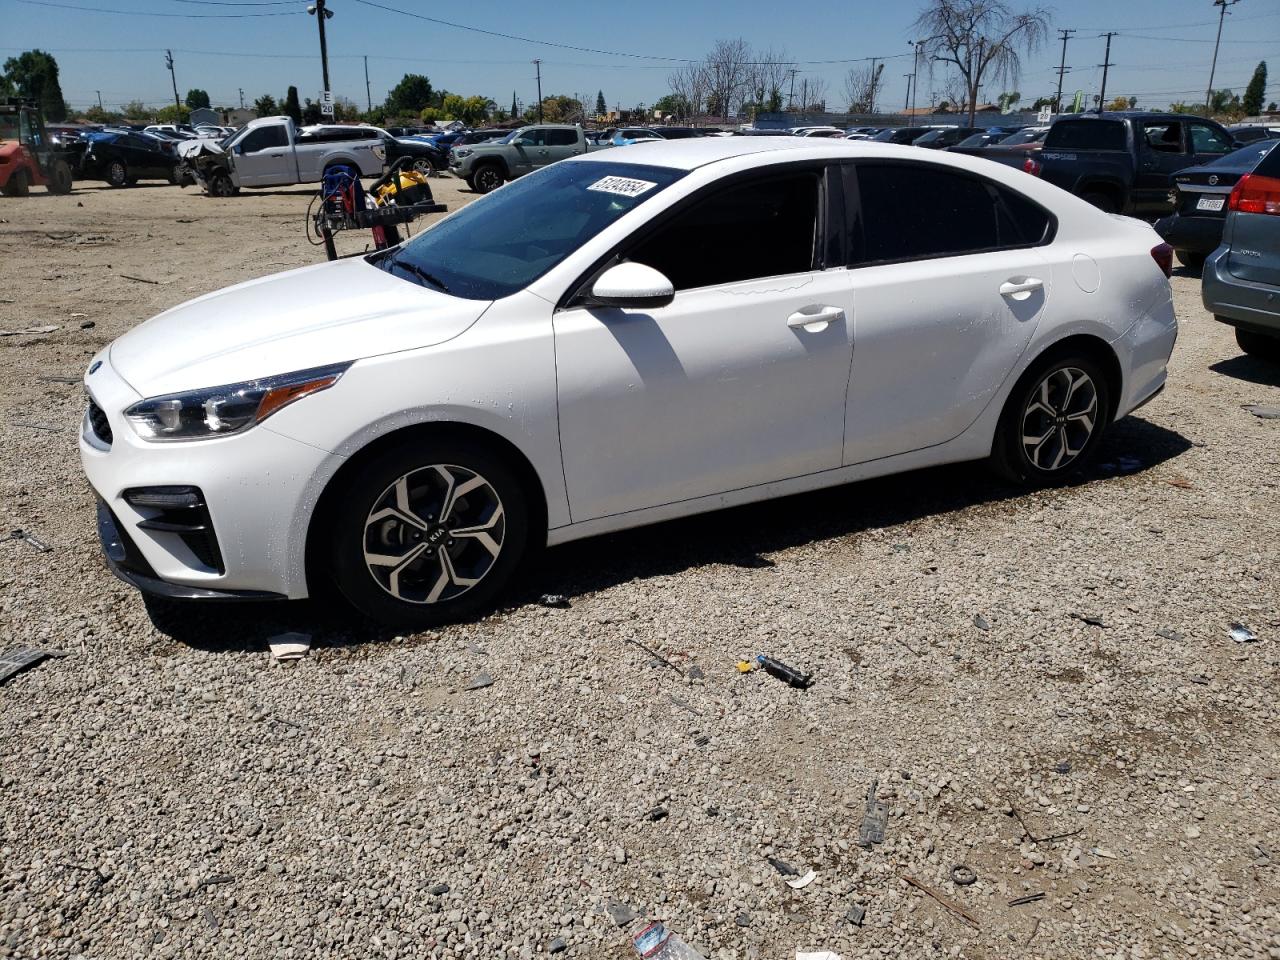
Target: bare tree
x,y
726,68
689,87
766,76
955,95
813,95
981,37
860,86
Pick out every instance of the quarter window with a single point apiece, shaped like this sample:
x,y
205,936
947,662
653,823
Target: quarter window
x,y
1205,139
1163,137
561,138
914,212
762,228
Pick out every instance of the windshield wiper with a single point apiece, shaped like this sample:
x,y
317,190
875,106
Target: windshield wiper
x,y
421,274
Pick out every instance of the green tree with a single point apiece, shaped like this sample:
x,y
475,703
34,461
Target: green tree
x,y
1224,102
431,114
601,106
311,112
172,113
515,110
196,98
410,95
1256,91
35,74
345,109
292,108
135,111
672,104
266,106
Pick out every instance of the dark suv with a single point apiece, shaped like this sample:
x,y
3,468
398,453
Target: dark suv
x,y
1241,284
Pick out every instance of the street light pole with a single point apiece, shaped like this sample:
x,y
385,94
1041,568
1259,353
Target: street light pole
x,y
322,13
907,103
368,91
1222,14
538,67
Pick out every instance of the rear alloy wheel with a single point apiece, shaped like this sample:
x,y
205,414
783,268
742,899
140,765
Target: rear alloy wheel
x,y
1258,344
424,166
425,535
1052,422
117,173
488,178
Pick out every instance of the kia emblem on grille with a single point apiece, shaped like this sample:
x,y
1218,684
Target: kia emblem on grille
x,y
94,366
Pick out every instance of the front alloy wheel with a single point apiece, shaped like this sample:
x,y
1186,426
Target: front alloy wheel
x,y
428,532
488,178
117,173
1052,421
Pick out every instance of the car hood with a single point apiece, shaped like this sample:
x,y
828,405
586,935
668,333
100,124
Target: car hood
x,y
328,313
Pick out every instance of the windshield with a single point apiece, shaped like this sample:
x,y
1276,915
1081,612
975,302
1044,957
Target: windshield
x,y
1024,136
977,140
931,136
501,243
1245,157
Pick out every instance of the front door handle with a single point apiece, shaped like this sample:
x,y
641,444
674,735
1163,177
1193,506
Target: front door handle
x,y
814,318
1020,288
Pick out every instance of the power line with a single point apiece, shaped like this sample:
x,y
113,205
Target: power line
x,y
148,13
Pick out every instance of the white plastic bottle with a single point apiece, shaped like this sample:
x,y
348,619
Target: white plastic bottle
x,y
656,942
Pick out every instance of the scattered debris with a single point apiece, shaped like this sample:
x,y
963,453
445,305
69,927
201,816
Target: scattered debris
x,y
622,914
1033,838
951,905
438,889
817,955
745,666
742,920
799,883
1182,483
697,673
139,279
39,426
653,653
44,328
1091,621
1171,635
701,740
555,601
28,538
788,675
657,941
480,681
1103,852
874,819
656,814
784,868
1242,634
1062,766
1029,898
289,646
87,324
1262,412
557,945
856,914
215,880
963,876
16,660
72,380
981,622
1200,678
1034,930
686,705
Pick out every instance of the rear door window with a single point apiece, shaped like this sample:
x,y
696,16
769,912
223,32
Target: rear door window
x,y
1163,136
561,138
910,211
1086,135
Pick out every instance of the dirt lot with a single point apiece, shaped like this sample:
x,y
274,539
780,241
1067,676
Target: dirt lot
x,y
165,790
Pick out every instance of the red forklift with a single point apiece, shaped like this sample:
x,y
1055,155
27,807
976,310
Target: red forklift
x,y
27,157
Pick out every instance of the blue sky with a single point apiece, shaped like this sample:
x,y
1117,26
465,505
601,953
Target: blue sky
x,y
1161,54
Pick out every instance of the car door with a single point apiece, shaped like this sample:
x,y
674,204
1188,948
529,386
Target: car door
x,y
1161,153
1207,142
738,381
560,145
948,286
151,158
527,151
262,157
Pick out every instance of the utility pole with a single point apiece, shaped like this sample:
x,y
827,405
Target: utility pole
x,y
99,93
907,103
168,60
915,71
368,91
322,13
1222,14
1106,65
875,78
1062,68
538,66
242,98
791,97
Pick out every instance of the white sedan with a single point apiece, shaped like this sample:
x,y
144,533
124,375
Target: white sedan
x,y
615,340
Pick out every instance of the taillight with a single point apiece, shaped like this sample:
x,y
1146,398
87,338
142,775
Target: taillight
x,y
1032,166
1162,254
1255,194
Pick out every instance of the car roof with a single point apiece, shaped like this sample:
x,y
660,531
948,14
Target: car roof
x,y
695,152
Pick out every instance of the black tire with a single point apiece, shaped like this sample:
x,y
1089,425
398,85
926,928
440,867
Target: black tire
x,y
471,183
118,173
175,175
220,185
59,178
1258,345
1010,456
440,560
1103,201
18,184
1192,261
487,178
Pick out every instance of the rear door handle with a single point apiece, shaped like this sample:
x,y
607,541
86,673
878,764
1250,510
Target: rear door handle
x,y
1020,289
814,318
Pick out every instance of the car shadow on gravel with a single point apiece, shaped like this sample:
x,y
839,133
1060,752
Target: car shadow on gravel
x,y
1250,369
740,537
743,536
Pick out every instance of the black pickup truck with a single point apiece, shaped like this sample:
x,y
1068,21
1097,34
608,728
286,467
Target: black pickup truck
x,y
1125,162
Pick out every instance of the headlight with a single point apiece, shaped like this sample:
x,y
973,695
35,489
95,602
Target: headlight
x,y
220,411
462,151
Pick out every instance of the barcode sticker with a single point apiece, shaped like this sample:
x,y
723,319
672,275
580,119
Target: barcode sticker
x,y
622,186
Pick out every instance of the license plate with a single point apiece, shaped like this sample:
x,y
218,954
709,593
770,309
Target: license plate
x,y
1210,203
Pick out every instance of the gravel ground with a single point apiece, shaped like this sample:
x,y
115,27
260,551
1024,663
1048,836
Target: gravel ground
x,y
166,790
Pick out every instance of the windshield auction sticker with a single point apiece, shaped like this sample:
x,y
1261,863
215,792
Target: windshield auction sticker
x,y
622,186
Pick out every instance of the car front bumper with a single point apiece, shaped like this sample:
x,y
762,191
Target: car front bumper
x,y
257,491
1240,303
1191,234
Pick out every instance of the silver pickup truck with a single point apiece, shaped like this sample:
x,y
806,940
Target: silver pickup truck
x,y
272,152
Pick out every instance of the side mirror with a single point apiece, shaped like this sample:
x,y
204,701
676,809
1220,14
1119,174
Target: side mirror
x,y
632,285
